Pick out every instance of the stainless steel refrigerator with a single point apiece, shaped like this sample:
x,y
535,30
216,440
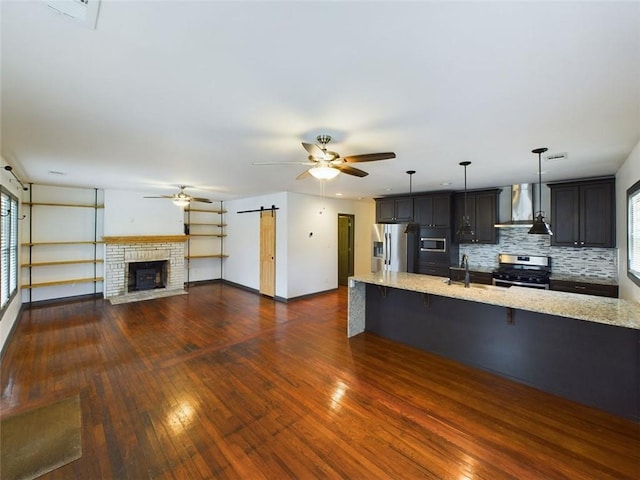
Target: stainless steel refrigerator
x,y
389,244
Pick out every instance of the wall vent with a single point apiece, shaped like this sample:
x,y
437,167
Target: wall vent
x,y
557,156
84,12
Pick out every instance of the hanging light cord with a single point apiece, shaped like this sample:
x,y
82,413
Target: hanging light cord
x,y
540,182
465,190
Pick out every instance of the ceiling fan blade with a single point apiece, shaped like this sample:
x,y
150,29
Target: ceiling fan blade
x,y
161,196
199,199
351,170
285,163
303,175
313,149
369,157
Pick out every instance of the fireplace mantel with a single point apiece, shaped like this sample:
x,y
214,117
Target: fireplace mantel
x,y
145,239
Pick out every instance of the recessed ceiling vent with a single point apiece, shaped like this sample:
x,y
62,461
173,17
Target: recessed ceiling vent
x,y
84,12
557,156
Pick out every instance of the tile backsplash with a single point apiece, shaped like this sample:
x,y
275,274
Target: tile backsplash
x,y
588,262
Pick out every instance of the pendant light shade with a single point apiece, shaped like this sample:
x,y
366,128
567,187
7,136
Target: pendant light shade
x,y
465,232
412,226
540,227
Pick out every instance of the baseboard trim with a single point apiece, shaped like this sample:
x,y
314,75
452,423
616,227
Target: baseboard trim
x,y
197,283
56,301
277,298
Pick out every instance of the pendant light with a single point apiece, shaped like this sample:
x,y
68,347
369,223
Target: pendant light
x,y
540,227
412,226
465,231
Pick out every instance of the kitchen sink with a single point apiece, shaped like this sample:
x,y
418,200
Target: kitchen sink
x,y
479,286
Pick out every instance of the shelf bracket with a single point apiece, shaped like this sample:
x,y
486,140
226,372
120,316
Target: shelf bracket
x,y
426,299
510,319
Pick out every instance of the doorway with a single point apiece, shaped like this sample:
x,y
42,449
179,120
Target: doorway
x,y
346,225
268,253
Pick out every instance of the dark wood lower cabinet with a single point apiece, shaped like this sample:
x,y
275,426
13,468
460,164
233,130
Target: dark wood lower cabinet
x,y
483,278
588,362
598,289
437,270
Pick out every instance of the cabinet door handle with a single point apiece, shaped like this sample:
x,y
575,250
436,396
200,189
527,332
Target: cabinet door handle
x,y
579,287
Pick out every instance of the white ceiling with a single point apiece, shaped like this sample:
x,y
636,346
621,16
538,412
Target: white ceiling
x,y
184,92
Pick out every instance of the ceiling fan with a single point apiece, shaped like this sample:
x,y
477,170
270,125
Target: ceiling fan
x,y
326,164
182,199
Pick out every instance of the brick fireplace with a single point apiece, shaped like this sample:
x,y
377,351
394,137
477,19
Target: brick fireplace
x,y
121,252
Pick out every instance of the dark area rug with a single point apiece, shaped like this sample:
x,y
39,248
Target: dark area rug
x,y
40,440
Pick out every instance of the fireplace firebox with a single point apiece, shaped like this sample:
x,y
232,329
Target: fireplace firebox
x,y
147,275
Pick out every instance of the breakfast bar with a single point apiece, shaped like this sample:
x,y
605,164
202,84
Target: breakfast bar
x,y
580,347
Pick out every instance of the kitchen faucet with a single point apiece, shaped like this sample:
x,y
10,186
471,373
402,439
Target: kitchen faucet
x,y
465,264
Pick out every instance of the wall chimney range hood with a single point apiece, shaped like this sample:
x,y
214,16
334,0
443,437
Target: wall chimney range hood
x,y
521,207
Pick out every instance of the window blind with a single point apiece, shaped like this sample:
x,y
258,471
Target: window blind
x,y
633,242
8,247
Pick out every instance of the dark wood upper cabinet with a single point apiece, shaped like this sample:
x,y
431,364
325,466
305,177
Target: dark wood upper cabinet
x,y
394,210
433,210
482,210
583,213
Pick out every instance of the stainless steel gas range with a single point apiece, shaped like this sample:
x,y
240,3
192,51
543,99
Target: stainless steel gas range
x,y
522,270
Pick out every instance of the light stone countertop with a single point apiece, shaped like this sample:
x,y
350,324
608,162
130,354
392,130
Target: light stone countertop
x,y
609,311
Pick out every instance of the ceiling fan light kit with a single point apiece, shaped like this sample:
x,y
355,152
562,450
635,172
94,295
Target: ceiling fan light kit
x,y
182,202
324,172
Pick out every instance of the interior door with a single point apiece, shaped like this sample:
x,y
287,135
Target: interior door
x,y
345,248
268,253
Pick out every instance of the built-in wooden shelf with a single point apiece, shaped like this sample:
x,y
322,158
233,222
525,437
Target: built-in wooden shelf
x,y
210,236
209,224
63,282
204,210
207,235
61,262
46,204
33,244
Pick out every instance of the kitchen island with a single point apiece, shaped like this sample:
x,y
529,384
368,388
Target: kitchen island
x,y
581,347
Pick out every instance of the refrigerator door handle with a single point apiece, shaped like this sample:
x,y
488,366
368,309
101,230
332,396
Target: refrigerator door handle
x,y
386,248
389,250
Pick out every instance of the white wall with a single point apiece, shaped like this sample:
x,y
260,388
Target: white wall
x,y
305,263
313,245
10,315
242,243
313,241
628,174
129,213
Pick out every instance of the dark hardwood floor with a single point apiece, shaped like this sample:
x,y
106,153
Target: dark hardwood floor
x,y
223,383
